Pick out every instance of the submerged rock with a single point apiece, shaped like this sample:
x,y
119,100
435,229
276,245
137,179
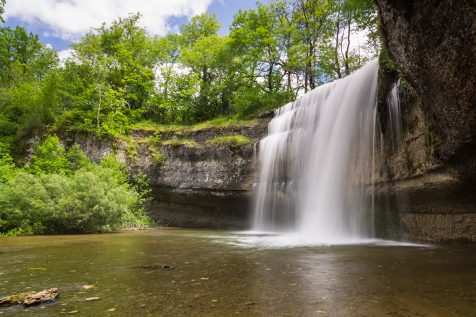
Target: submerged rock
x,y
155,267
47,295
30,298
16,299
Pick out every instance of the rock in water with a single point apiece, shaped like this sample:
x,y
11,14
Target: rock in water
x,y
16,299
155,267
47,295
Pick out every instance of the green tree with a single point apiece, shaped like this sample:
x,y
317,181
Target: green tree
x,y
49,157
132,59
200,26
253,35
23,56
77,159
7,167
350,19
89,53
201,49
172,99
262,40
119,61
203,57
2,10
25,91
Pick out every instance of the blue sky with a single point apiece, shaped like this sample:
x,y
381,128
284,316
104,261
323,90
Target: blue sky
x,y
59,22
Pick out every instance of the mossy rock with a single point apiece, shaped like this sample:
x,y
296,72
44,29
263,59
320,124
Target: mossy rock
x,y
16,299
30,298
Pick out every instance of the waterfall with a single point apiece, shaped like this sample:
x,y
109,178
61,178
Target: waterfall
x,y
316,163
394,115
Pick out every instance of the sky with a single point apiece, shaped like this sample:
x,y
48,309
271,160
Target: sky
x,y
61,22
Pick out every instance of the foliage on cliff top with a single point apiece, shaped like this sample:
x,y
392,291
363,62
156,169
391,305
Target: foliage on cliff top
x,y
217,123
179,141
231,139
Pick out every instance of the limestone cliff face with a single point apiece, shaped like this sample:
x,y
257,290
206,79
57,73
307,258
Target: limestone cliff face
x,y
196,182
425,185
434,46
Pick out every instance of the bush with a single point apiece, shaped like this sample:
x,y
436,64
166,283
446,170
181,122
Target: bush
x,y
64,192
49,157
7,167
86,201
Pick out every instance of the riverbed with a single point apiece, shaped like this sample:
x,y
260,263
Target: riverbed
x,y
218,273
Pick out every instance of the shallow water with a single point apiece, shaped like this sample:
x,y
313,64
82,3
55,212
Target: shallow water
x,y
228,274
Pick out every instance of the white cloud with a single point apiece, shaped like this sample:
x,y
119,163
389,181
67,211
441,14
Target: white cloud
x,y
70,18
65,54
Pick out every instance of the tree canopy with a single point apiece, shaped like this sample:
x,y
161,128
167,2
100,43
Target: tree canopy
x,y
119,74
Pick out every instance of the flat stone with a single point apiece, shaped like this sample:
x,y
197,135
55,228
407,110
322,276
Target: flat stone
x,y
16,299
47,295
30,298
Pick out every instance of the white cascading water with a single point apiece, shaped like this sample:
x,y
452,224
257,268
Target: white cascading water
x,y
316,163
394,115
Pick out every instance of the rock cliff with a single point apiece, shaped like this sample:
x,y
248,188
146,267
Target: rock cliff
x,y
434,46
425,185
199,177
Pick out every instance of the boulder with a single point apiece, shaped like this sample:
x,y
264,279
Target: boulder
x,y
30,298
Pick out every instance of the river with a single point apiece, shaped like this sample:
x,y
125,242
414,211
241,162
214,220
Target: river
x,y
218,273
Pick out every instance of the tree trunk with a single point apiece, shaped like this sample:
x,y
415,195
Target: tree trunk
x,y
346,60
270,77
336,55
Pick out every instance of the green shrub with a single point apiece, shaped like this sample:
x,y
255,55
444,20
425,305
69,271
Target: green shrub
x,y
7,167
49,157
64,192
77,159
85,201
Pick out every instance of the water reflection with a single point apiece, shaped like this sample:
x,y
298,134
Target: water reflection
x,y
213,274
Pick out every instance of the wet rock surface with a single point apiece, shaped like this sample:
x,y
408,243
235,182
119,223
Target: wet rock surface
x,y
434,46
425,186
31,298
47,295
195,208
431,207
16,299
440,227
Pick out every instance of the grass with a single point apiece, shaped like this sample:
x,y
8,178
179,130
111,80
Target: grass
x,y
155,130
216,123
176,141
223,122
233,139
